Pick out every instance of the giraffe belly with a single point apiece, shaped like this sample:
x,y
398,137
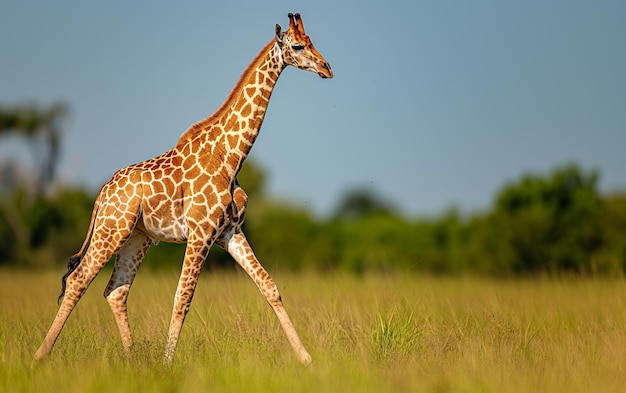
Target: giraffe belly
x,y
163,229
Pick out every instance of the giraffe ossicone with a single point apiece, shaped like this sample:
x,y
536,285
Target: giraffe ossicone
x,y
189,194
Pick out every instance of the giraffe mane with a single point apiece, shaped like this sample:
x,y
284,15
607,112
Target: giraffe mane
x,y
198,127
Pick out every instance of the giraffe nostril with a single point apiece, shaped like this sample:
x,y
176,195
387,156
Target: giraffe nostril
x,y
326,66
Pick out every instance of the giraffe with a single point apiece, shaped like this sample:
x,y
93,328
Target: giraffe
x,y
189,194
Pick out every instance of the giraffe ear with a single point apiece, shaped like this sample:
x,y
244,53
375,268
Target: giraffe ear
x,y
279,34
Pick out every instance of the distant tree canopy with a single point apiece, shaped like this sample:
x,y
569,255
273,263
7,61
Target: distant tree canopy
x,y
553,223
42,130
360,203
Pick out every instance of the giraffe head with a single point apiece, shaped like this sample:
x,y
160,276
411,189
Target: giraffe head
x,y
298,51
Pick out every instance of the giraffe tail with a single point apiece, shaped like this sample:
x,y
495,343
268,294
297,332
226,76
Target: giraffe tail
x,y
75,259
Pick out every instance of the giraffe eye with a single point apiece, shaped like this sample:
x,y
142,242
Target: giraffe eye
x,y
297,47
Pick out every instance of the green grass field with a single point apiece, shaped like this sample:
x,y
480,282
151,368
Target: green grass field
x,y
366,334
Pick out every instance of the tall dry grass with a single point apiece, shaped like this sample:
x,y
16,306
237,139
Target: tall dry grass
x,y
366,334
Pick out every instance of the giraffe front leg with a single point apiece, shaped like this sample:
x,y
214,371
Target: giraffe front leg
x,y
240,249
195,254
116,293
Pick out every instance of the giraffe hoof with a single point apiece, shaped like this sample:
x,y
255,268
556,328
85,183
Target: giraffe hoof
x,y
306,360
37,360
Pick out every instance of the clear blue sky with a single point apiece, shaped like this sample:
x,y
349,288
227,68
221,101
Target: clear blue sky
x,y
433,104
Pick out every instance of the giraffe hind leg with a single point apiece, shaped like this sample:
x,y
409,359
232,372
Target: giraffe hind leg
x,y
128,260
77,283
104,243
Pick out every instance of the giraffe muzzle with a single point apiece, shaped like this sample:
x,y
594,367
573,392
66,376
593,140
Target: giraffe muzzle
x,y
328,74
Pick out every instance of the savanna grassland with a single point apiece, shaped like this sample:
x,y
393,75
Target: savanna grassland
x,y
374,333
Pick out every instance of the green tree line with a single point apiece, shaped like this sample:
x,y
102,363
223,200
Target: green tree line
x,y
539,224
551,223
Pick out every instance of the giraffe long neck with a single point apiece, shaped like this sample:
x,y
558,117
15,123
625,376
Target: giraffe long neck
x,y
225,138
